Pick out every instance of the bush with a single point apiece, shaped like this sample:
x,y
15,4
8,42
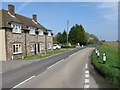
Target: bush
x,y
64,46
110,70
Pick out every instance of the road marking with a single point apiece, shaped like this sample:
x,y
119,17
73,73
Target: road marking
x,y
86,86
24,81
86,72
86,66
87,75
86,81
55,64
1,72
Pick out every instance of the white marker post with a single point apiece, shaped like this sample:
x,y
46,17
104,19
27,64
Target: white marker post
x,y
104,58
82,45
98,53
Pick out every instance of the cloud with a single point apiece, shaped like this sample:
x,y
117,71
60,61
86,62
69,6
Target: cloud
x,y
82,5
21,7
109,10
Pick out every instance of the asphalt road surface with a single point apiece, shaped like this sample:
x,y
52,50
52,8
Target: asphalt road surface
x,y
71,69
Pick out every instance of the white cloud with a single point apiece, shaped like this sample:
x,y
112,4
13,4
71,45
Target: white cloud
x,y
109,10
21,7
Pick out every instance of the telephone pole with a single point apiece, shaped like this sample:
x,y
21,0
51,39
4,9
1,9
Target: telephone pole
x,y
67,32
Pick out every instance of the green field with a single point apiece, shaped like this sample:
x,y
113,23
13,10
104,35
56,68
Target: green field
x,y
44,55
111,70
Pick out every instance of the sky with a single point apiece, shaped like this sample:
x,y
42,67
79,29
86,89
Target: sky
x,y
98,18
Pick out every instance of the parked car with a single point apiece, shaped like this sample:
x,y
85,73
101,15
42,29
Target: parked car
x,y
56,46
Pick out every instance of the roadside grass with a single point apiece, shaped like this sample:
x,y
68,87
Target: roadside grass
x,y
44,55
111,70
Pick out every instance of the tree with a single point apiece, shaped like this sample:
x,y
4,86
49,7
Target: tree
x,y
81,35
72,36
58,38
64,37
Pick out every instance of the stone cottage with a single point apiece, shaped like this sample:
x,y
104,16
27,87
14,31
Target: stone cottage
x,y
21,36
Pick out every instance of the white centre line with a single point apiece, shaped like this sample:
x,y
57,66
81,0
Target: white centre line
x,y
55,64
1,72
23,82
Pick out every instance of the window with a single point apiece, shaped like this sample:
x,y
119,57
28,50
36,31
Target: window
x,y
49,33
40,32
32,46
16,28
41,46
17,48
32,30
49,45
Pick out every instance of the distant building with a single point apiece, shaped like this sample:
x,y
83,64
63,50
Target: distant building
x,y
21,36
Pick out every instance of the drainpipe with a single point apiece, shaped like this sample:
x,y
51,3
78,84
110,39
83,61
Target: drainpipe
x,y
25,44
38,43
45,42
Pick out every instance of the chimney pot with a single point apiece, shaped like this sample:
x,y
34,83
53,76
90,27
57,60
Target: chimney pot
x,y
11,9
35,17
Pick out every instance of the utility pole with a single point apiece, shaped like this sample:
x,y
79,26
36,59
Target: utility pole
x,y
67,32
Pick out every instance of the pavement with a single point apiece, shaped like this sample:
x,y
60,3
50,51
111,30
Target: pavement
x,y
70,69
13,64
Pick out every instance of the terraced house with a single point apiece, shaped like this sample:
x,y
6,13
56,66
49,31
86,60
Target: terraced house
x,y
21,36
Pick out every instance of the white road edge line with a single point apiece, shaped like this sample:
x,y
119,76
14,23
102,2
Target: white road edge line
x,y
86,86
24,81
86,72
86,81
86,66
55,64
86,75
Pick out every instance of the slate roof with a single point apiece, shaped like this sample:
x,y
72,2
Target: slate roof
x,y
25,21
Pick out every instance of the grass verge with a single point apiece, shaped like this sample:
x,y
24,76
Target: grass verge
x,y
111,70
44,55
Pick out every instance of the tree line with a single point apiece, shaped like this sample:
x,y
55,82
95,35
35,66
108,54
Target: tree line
x,y
76,35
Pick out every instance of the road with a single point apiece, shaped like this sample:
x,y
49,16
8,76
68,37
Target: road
x,y
71,69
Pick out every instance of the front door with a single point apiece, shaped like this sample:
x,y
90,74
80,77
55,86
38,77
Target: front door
x,y
36,48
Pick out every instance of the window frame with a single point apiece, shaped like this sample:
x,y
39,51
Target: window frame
x,y
15,51
41,32
49,46
32,30
41,46
49,33
16,28
32,49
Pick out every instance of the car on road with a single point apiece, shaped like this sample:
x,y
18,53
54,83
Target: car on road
x,y
56,46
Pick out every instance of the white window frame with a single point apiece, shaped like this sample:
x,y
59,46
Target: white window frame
x,y
49,33
32,47
41,32
41,46
16,27
19,46
49,46
32,30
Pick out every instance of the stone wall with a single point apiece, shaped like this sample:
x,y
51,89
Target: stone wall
x,y
2,45
14,38
50,40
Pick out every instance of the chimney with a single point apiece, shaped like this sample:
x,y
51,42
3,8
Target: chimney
x,y
35,17
11,9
